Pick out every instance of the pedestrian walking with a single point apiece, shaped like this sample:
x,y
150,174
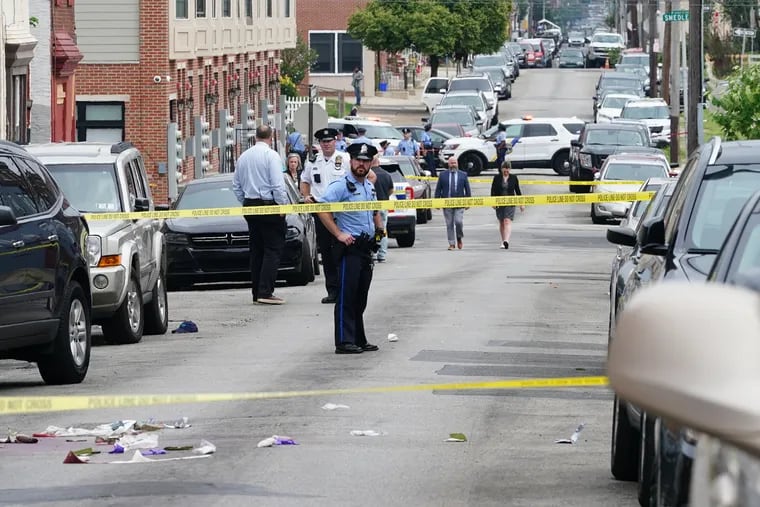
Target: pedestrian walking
x,y
259,181
407,146
383,182
505,183
294,144
356,83
357,234
327,167
388,150
428,151
293,168
453,183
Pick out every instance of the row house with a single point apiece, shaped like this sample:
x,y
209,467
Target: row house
x,y
125,70
17,46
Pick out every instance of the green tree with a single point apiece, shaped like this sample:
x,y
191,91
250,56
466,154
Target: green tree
x,y
739,107
297,61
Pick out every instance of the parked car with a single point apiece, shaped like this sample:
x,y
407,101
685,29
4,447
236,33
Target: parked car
x,y
653,113
638,58
466,116
576,39
127,257
551,47
515,52
640,71
611,106
216,249
571,58
595,143
453,129
627,167
434,90
477,100
502,82
437,136
541,54
499,59
600,46
376,130
682,245
45,297
405,172
617,82
530,55
481,82
474,154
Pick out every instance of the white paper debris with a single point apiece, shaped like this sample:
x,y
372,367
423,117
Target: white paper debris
x,y
205,447
333,406
139,458
574,437
392,337
139,441
366,433
103,430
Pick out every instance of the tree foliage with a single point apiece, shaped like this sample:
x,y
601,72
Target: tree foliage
x,y
437,28
297,61
739,107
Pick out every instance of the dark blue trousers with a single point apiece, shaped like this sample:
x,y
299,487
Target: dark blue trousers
x,y
354,279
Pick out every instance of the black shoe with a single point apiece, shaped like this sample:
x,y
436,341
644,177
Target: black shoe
x,y
506,245
329,300
368,347
348,348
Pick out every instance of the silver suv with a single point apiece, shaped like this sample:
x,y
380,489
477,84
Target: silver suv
x,y
127,257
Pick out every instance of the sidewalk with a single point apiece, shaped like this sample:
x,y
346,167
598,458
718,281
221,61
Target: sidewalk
x,y
388,104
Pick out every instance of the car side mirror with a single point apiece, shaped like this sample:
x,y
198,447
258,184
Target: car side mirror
x,y
442,90
142,204
698,370
7,216
597,175
575,143
651,237
624,236
424,120
595,98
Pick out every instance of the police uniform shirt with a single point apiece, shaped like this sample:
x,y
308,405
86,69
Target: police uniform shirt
x,y
389,151
352,222
323,171
407,147
501,137
341,145
427,141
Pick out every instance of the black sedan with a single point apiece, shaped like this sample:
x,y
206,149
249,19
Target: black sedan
x,y
216,249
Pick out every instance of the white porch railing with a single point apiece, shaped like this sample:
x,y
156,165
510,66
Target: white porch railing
x,y
292,104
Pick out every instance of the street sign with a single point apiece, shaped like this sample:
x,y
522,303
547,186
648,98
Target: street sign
x,y
671,16
744,32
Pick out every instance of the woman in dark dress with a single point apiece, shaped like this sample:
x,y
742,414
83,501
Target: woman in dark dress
x,y
505,184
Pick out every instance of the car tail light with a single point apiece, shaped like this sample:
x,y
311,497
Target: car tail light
x,y
409,193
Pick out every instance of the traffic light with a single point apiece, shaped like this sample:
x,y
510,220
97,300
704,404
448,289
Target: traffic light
x,y
175,156
202,146
250,124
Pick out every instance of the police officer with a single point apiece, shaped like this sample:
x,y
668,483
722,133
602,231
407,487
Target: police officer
x,y
357,235
408,146
362,136
340,143
315,178
388,150
501,145
429,152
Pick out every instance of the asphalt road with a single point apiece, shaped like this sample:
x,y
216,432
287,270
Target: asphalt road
x,y
538,309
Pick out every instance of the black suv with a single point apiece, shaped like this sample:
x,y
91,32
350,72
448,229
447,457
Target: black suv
x,y
45,300
683,244
596,142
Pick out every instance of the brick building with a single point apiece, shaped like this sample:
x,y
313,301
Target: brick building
x,y
323,25
150,62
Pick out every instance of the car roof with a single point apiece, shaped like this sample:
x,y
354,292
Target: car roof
x,y
70,153
470,75
11,148
622,95
453,93
738,152
538,119
645,102
615,126
618,75
452,106
639,158
358,120
212,178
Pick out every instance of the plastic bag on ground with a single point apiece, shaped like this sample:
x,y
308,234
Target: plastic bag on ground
x,y
366,433
205,447
334,406
276,440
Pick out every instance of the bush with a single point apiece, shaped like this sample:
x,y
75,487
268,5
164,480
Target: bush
x,y
738,106
288,87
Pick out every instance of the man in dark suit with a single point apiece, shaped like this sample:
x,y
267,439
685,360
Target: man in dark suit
x,y
453,183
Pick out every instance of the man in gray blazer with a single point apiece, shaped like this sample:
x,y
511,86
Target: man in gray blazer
x,y
453,183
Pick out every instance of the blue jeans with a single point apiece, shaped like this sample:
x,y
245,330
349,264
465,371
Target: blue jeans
x,y
358,94
383,242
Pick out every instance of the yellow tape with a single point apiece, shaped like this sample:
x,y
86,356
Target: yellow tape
x,y
540,182
36,404
458,202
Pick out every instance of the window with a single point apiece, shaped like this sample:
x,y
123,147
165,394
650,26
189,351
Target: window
x,y
539,130
200,8
287,8
44,189
180,7
249,8
435,85
100,121
17,123
573,128
226,8
101,194
269,8
15,191
337,52
213,8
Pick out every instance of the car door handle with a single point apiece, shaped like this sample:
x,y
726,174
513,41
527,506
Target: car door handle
x,y
554,140
18,244
53,238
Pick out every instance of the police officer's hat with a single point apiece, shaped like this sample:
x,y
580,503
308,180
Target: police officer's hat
x,y
384,143
362,151
361,130
406,130
326,134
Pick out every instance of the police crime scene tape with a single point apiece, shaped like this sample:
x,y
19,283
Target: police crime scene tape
x,y
10,405
540,182
454,202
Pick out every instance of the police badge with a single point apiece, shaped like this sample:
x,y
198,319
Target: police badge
x,y
338,161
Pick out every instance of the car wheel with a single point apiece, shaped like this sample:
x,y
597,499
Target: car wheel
x,y
429,213
306,273
469,158
647,450
407,240
315,261
596,218
126,325
68,362
157,311
558,162
624,450
422,217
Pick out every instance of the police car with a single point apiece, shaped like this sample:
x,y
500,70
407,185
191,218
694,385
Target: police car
x,y
402,222
376,130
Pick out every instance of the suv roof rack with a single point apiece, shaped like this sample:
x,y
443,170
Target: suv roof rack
x,y
121,147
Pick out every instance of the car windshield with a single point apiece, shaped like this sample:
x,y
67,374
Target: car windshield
x,y
100,194
745,265
615,137
614,102
575,35
467,100
573,128
460,117
399,170
488,61
536,46
216,194
526,47
453,129
639,206
640,59
646,113
571,54
607,39
382,132
479,84
497,75
634,172
616,81
721,195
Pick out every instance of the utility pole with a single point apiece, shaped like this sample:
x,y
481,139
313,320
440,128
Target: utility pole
x,y
695,74
675,88
633,12
652,55
667,41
